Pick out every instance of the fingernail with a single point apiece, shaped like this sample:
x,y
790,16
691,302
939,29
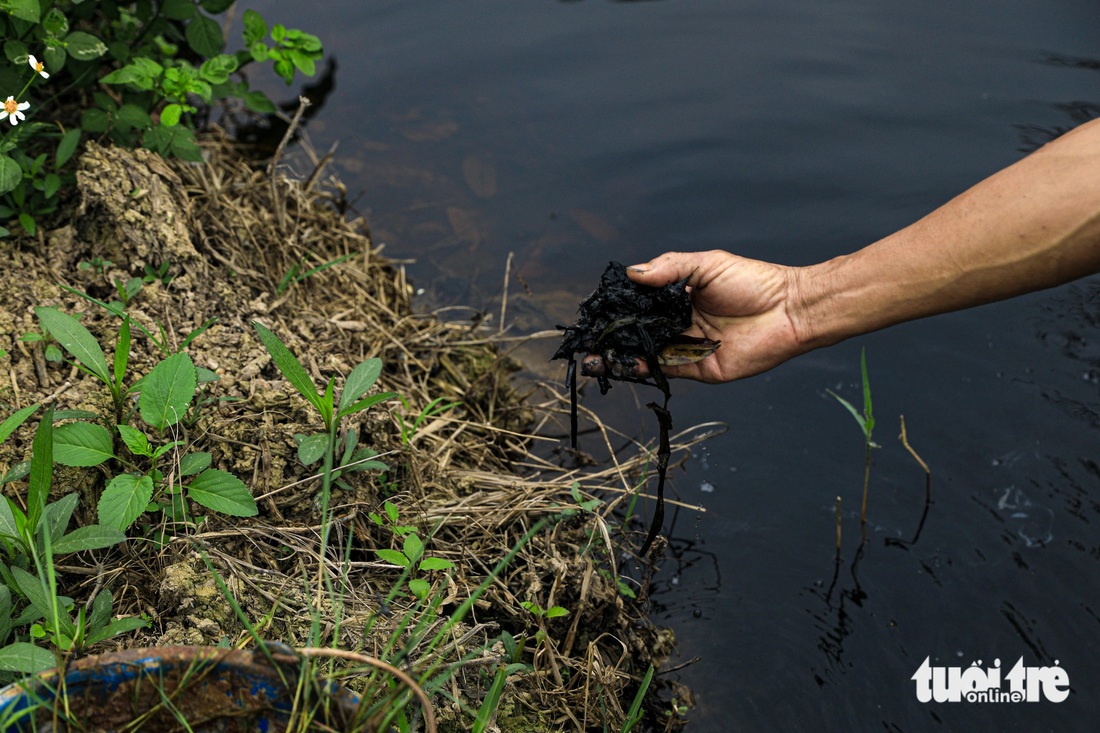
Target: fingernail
x,y
641,268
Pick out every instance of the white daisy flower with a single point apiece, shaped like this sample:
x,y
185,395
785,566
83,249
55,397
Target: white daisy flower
x,y
38,66
14,110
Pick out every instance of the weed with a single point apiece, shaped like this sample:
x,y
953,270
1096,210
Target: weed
x,y
30,541
135,70
866,422
434,408
165,396
295,275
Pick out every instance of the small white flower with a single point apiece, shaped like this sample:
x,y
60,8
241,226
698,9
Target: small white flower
x,y
38,66
14,110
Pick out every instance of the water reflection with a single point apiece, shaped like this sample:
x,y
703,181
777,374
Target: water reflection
x,y
834,622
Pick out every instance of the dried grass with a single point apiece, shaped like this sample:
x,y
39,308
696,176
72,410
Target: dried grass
x,y
474,478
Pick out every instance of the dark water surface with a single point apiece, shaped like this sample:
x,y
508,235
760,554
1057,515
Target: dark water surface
x,y
576,133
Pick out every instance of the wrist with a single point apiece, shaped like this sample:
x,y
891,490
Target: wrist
x,y
814,304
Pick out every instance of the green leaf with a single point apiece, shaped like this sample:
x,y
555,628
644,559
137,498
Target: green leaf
x,y
116,627
124,499
16,419
368,402
167,390
132,115
52,185
131,74
135,440
361,379
285,69
84,46
55,22
56,516
166,448
303,63
204,36
15,51
289,365
223,492
76,339
851,409
436,563
178,9
41,476
419,587
413,548
170,115
255,29
100,615
30,226
311,448
217,70
82,444
54,57
26,658
393,557
259,51
868,415
33,588
122,353
556,611
28,10
10,174
5,613
94,120
215,7
9,526
90,537
192,463
182,143
67,146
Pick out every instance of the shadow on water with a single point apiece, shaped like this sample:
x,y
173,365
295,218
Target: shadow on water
x,y
1033,137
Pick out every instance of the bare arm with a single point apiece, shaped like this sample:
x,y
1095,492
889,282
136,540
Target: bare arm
x,y
1033,225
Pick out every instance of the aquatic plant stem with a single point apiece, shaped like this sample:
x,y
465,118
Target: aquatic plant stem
x,y
866,485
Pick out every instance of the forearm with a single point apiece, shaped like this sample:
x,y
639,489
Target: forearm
x,y
1033,225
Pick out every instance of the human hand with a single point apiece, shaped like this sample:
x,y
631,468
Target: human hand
x,y
741,302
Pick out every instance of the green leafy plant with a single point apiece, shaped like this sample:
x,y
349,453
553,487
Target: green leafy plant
x,y
29,541
138,74
634,714
411,555
390,520
866,421
544,613
165,395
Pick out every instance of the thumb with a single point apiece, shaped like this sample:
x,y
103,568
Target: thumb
x,y
668,268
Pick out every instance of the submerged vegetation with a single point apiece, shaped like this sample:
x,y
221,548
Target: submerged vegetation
x,y
222,422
